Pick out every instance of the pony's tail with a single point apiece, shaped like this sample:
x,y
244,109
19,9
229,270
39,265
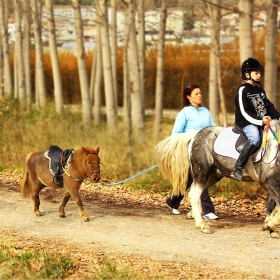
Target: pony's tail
x,y
172,158
24,185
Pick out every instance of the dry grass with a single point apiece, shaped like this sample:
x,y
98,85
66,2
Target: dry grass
x,y
23,131
35,258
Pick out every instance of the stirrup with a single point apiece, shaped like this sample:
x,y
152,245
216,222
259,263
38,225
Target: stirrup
x,y
237,174
58,182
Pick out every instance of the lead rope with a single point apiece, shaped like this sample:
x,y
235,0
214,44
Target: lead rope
x,y
123,181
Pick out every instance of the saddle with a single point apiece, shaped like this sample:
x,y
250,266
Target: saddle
x,y
241,140
230,143
58,160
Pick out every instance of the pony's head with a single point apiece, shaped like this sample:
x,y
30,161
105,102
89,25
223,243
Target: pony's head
x,y
92,163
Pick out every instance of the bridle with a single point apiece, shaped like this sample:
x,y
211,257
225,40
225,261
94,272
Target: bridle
x,y
88,175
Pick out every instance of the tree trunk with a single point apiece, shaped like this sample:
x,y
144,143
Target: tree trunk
x,y
215,20
58,94
39,72
98,74
8,86
81,57
142,50
107,67
214,100
19,53
114,48
270,77
246,42
126,91
134,77
160,71
26,49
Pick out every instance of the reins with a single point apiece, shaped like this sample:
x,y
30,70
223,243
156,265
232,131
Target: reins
x,y
268,127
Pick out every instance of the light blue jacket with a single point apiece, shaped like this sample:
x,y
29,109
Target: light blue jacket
x,y
189,119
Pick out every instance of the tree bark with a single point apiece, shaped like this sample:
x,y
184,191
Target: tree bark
x,y
270,77
142,50
8,85
126,91
114,48
97,78
39,72
107,67
81,58
246,42
134,77
58,95
19,65
214,100
215,20
26,49
160,71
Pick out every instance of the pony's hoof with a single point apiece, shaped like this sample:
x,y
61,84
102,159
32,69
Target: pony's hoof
x,y
275,234
86,219
205,228
189,215
61,215
38,214
265,227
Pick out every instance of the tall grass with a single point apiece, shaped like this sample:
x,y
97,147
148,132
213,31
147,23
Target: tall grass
x,y
23,131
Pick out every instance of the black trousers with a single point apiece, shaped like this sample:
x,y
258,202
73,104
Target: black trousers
x,y
206,202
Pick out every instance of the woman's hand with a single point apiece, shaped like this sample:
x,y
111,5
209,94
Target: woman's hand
x,y
266,119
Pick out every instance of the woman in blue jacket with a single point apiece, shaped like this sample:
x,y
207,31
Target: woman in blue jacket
x,y
192,117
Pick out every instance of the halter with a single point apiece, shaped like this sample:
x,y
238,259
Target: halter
x,y
86,168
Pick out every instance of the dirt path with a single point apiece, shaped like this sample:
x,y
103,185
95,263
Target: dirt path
x,y
236,245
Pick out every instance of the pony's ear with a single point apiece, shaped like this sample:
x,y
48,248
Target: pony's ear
x,y
97,150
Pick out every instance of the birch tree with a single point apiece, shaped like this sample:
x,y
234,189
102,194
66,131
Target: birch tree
x,y
8,86
81,58
160,71
26,49
114,49
214,99
270,77
142,50
58,95
134,76
126,86
39,70
107,66
96,77
246,43
20,90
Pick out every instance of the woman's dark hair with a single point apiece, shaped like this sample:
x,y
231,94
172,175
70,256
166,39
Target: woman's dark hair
x,y
187,91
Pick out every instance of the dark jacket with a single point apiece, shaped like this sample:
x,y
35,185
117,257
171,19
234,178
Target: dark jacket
x,y
251,105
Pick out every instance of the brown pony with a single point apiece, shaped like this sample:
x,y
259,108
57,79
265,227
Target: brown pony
x,y
85,163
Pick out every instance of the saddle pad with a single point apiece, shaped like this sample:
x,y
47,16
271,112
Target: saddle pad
x,y
225,145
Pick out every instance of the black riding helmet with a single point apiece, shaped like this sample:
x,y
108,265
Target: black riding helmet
x,y
250,65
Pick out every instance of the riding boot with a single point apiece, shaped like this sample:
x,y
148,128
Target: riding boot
x,y
242,160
